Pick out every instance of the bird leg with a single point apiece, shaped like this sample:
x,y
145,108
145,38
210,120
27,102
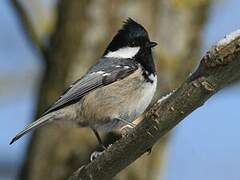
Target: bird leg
x,y
128,128
126,122
99,139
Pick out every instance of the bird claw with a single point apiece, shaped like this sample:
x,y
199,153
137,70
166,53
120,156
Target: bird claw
x,y
149,151
126,130
95,155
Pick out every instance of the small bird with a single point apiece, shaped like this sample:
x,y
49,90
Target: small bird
x,y
114,92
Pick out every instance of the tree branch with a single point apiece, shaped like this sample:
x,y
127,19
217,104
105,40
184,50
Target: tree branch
x,y
219,67
28,27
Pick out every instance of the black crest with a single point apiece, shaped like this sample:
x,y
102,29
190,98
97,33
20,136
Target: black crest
x,y
131,34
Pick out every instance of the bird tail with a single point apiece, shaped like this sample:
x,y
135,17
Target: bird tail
x,y
34,125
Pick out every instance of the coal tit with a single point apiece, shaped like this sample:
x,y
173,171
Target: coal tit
x,y
114,92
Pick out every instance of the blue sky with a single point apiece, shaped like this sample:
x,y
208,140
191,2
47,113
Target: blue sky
x,y
204,146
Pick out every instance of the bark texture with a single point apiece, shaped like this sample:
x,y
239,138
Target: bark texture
x,y
82,31
218,68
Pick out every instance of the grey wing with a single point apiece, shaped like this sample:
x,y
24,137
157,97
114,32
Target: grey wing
x,y
90,82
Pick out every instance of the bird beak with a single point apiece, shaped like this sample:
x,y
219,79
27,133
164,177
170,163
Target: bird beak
x,y
152,44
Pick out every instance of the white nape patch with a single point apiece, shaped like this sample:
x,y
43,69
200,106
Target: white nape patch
x,y
228,38
126,52
126,67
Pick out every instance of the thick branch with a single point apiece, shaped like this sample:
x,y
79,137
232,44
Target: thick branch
x,y
28,27
219,67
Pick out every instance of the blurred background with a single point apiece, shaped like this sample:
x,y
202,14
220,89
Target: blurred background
x,y
45,45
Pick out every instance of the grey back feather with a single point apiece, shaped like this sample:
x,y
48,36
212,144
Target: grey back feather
x,y
106,71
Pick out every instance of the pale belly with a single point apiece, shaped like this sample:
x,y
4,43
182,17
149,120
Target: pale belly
x,y
124,99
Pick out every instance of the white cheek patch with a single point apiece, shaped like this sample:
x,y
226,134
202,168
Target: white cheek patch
x,y
152,77
126,52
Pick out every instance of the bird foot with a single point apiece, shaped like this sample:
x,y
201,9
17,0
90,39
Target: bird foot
x,y
95,155
126,130
149,151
